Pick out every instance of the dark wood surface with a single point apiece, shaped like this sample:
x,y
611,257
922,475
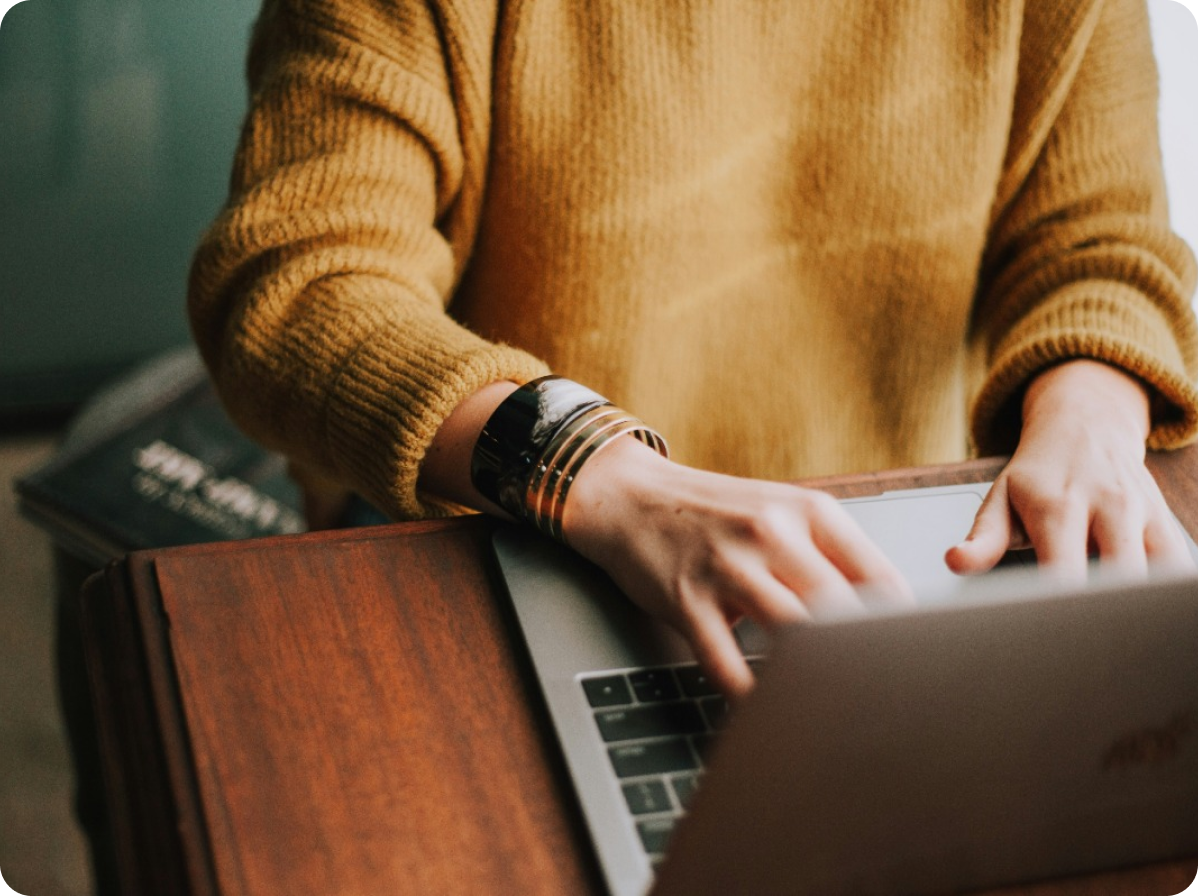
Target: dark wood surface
x,y
350,713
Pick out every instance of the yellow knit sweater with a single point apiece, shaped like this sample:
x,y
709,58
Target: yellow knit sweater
x,y
796,237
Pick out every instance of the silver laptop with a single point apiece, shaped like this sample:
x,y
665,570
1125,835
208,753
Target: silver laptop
x,y
1001,731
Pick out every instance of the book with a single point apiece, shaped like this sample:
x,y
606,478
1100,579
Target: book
x,y
154,461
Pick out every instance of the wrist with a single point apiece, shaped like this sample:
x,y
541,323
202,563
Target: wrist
x,y
1087,390
615,484
445,471
536,443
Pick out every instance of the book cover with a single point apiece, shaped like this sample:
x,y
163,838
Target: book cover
x,y
156,462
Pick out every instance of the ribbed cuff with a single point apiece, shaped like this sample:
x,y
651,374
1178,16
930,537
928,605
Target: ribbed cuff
x,y
390,400
1102,321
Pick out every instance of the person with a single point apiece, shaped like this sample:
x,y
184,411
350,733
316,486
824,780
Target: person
x,y
793,238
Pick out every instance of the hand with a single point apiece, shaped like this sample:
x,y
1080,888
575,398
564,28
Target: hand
x,y
1077,483
700,550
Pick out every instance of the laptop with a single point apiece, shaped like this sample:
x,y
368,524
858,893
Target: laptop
x,y
1003,730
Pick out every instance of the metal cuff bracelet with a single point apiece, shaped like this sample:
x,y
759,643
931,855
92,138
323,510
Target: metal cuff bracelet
x,y
534,445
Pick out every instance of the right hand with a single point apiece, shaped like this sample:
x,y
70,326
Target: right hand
x,y
701,550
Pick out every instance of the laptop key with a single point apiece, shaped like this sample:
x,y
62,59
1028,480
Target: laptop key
x,y
715,710
695,682
644,797
611,690
685,787
659,757
655,834
654,685
703,744
654,720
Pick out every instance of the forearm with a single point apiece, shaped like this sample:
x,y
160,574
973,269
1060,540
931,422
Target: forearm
x,y
1080,261
318,297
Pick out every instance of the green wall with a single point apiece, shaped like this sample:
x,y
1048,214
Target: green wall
x,y
118,120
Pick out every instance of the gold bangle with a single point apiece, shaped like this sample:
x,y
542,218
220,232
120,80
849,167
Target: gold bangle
x,y
537,440
557,505
550,502
556,471
549,466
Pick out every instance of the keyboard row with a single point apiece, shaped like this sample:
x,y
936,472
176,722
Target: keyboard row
x,y
658,726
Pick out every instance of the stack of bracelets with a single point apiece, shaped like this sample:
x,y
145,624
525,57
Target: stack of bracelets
x,y
533,446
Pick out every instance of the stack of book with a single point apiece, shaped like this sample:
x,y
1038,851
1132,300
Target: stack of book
x,y
154,461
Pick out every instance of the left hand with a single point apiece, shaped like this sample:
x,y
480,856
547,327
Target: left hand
x,y
1077,484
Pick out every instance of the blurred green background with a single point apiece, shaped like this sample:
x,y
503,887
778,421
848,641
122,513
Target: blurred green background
x,y
118,120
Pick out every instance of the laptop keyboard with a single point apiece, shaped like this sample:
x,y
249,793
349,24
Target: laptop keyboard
x,y
657,725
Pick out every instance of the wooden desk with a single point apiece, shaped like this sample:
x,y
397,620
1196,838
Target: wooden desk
x,y
347,713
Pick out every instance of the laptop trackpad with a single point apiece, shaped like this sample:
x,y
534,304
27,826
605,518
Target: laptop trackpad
x,y
913,529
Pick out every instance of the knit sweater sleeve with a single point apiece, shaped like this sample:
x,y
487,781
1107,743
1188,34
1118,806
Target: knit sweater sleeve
x,y
1081,261
318,296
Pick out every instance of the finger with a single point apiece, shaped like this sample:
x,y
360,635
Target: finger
x,y
821,587
1165,545
858,560
994,532
1165,542
717,650
1119,539
766,601
1059,531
